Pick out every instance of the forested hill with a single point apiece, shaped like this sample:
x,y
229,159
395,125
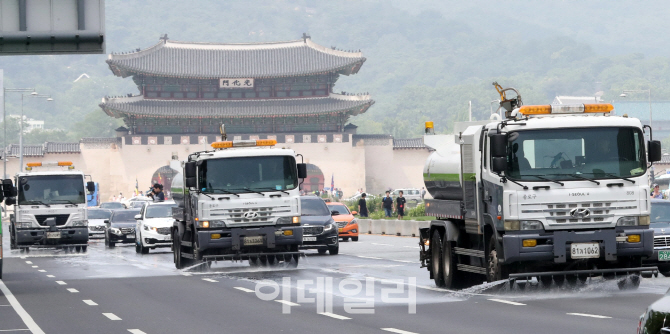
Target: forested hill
x,y
425,58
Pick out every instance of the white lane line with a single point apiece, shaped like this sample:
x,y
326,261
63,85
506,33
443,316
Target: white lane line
x,y
90,302
51,276
111,316
376,244
42,270
590,315
14,330
27,319
404,261
395,330
36,266
61,282
210,280
243,289
136,331
506,302
336,316
73,290
29,262
286,302
369,257
415,247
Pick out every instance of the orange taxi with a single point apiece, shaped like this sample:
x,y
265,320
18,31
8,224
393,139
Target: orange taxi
x,y
346,222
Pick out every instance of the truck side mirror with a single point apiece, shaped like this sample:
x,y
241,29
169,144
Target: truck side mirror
x,y
189,170
654,153
302,171
10,200
90,186
498,164
498,145
191,182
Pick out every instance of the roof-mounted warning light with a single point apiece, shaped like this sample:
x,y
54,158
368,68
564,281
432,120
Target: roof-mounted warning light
x,y
68,164
244,143
566,109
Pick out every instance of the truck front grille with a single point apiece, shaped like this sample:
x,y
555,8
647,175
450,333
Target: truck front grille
x,y
249,215
662,241
312,230
565,213
60,219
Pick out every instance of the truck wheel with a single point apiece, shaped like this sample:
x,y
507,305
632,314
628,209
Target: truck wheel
x,y
179,261
452,278
495,270
629,283
12,238
334,250
436,259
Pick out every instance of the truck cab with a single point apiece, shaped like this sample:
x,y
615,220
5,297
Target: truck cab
x,y
50,207
561,190
238,202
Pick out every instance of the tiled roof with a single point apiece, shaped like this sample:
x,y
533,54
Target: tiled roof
x,y
28,150
138,106
413,143
253,60
62,147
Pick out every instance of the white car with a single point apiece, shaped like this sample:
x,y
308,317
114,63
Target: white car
x,y
96,221
154,224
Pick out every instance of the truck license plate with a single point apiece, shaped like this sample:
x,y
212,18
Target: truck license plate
x,y
255,240
308,238
585,250
53,235
664,255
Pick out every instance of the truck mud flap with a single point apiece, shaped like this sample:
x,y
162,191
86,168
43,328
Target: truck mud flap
x,y
286,256
424,255
587,272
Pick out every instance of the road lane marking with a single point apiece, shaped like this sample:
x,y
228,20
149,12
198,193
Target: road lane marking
x,y
42,270
29,262
27,319
244,289
51,276
61,282
210,280
395,330
336,316
136,331
405,261
111,316
286,302
506,302
415,247
369,257
14,330
376,244
90,302
590,315
35,266
73,290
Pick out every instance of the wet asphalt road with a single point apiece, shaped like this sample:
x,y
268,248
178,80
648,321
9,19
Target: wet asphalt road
x,y
368,288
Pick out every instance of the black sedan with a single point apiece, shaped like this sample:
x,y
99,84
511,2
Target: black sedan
x,y
660,223
121,227
319,230
654,319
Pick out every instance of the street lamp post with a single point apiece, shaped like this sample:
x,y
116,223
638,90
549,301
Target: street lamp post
x,y
648,91
4,121
35,95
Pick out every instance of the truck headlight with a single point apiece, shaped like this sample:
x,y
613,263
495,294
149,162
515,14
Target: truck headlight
x,y
530,225
511,225
644,220
288,220
24,225
211,223
628,221
80,223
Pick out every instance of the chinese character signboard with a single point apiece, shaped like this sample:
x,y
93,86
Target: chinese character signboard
x,y
236,83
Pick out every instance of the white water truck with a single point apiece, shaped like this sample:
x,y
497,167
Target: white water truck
x,y
555,192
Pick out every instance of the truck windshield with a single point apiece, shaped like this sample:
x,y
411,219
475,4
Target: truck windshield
x,y
248,174
575,154
51,189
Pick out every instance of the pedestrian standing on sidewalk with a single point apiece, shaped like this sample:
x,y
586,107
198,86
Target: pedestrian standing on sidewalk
x,y
423,193
400,205
387,204
362,206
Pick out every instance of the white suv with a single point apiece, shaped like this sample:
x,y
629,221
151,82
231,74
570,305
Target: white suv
x,y
154,224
